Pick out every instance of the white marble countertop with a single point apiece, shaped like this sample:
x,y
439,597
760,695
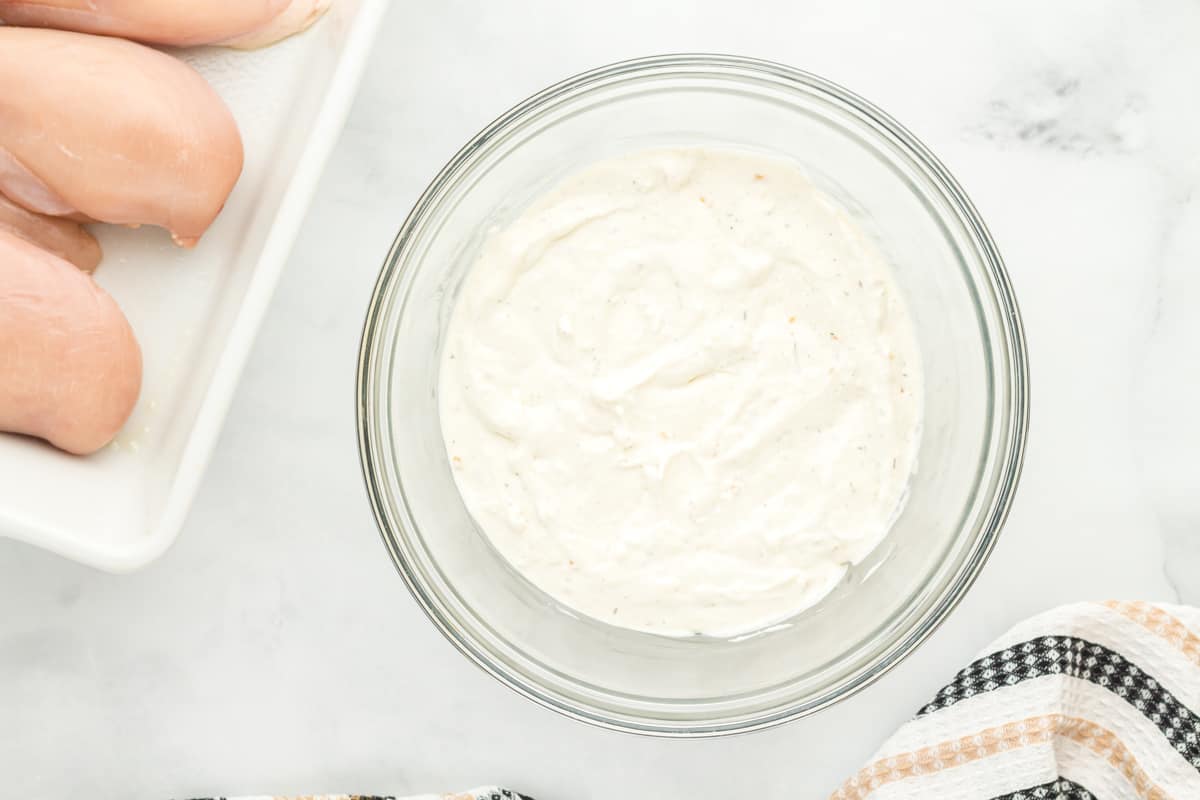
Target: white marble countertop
x,y
275,650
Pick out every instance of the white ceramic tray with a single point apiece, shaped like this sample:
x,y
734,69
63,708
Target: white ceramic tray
x,y
195,312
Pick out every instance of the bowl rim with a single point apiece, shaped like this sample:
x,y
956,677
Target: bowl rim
x,y
1009,457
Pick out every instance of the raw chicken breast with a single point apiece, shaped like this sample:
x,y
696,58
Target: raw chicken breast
x,y
298,16
175,22
70,368
65,239
112,130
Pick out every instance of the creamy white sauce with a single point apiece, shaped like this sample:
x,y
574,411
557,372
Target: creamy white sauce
x,y
681,392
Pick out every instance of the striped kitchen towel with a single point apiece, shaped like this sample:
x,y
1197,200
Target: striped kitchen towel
x,y
488,793
1094,701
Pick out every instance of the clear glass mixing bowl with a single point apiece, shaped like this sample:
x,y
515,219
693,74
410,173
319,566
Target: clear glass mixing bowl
x,y
975,415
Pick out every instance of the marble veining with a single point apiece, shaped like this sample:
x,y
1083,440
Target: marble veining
x,y
1062,113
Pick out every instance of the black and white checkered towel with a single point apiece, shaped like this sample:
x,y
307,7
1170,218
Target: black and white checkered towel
x,y
1093,701
486,793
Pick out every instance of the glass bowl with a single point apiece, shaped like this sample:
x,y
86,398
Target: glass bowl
x,y
976,406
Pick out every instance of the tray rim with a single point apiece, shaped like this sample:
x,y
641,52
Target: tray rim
x,y
160,533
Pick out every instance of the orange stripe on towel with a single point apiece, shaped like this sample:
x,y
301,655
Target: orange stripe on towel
x,y
1157,621
999,739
